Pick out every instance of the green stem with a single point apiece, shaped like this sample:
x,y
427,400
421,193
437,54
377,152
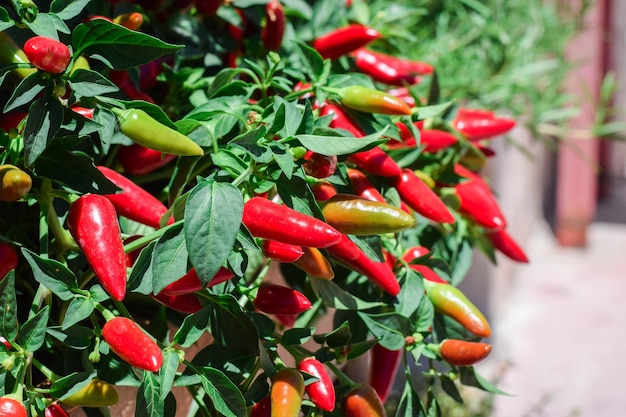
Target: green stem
x,y
63,236
144,240
40,296
341,376
242,177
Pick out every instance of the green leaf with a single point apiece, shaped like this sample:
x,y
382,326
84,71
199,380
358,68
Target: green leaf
x,y
425,316
231,326
64,387
193,327
293,117
32,333
87,83
154,111
169,258
149,401
5,21
340,336
79,309
8,307
335,297
314,63
213,215
44,25
52,274
434,110
297,194
296,336
283,158
168,372
76,337
140,279
329,146
410,404
26,91
389,328
225,396
68,9
411,293
44,121
470,377
248,141
450,388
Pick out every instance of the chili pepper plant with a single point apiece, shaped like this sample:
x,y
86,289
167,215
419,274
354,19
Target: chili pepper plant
x,y
163,161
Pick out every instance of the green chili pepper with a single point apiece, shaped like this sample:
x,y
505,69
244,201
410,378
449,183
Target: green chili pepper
x,y
96,393
368,100
10,53
146,131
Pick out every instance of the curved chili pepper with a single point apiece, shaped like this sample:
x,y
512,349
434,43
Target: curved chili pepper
x,y
55,410
14,183
276,299
383,368
477,124
378,272
11,53
8,259
419,197
369,100
315,264
47,54
268,220
345,249
146,131
505,243
322,392
344,40
354,215
96,393
434,140
323,190
190,282
281,252
318,165
462,352
134,202
450,301
363,402
286,393
11,407
363,187
262,409
386,68
274,29
92,221
138,160
183,303
128,341
477,200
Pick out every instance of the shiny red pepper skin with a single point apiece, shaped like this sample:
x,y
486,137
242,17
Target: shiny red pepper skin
x,y
184,303
262,409
477,124
132,344
477,200
315,264
405,66
83,111
414,253
268,220
383,368
139,160
344,40
5,342
505,243
369,100
363,187
428,273
10,407
323,190
419,197
463,353
281,252
286,393
190,282
274,29
433,140
387,69
134,202
345,249
378,272
363,402
92,221
276,299
55,410
322,392
403,94
8,259
47,54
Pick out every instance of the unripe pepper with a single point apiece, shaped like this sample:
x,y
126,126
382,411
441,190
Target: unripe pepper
x,y
274,29
383,368
11,407
55,410
382,69
146,131
477,200
184,303
10,53
92,221
363,187
47,54
286,393
462,352
368,100
134,202
132,344
315,264
276,299
322,392
268,220
354,215
363,402
139,160
450,301
96,393
190,282
416,194
14,183
505,243
344,40
8,259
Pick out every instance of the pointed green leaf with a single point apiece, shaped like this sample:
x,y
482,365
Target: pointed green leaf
x,y
149,402
8,307
32,333
169,258
226,397
52,274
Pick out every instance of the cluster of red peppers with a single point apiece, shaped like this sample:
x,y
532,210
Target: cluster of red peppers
x,y
342,183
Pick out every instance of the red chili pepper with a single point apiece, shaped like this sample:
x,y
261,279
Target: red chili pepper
x,y
315,264
190,282
414,252
369,100
318,165
477,200
463,353
322,392
135,347
419,197
383,368
505,243
363,187
363,402
286,393
10,407
139,160
5,342
428,273
406,66
378,272
281,252
274,29
83,111
268,220
276,299
477,124
345,249
388,69
434,140
134,202
263,408
323,190
8,259
344,40
92,221
184,303
55,410
11,120
47,54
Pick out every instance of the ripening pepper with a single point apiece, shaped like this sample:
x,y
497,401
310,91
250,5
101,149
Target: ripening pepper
x,y
11,407
8,259
132,20
139,160
47,54
274,29
477,200
281,252
276,299
134,202
354,215
477,124
363,402
315,264
322,392
92,221
55,410
268,220
128,341
190,282
344,40
96,393
286,393
404,94
11,53
450,301
140,127
387,69
462,352
183,303
505,243
384,365
419,197
363,187
368,100
14,183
